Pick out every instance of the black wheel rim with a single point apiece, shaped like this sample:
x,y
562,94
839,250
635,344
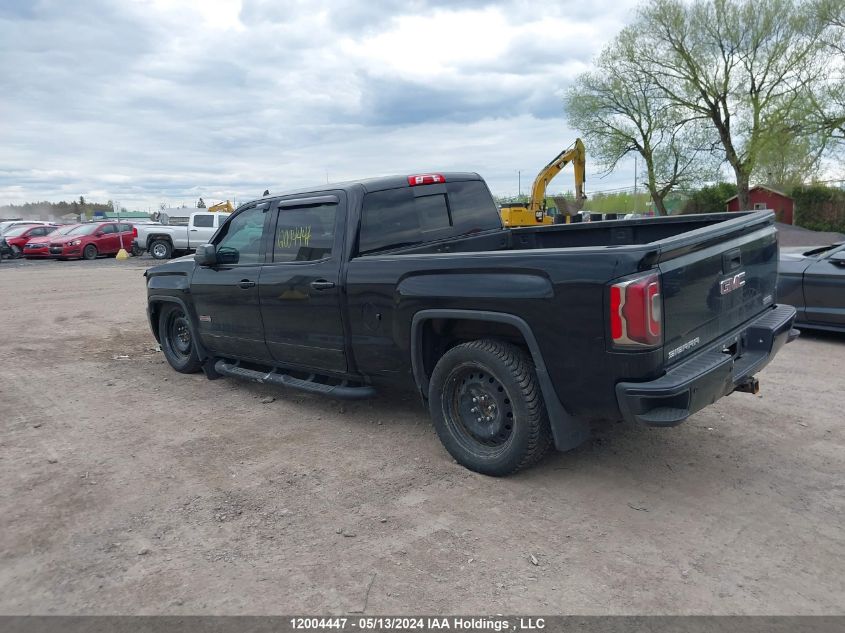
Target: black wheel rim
x,y
179,335
90,252
479,409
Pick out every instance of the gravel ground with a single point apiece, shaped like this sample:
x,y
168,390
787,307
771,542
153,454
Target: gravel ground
x,y
797,236
128,488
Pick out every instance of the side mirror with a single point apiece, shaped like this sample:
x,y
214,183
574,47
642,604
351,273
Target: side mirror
x,y
99,234
206,255
838,258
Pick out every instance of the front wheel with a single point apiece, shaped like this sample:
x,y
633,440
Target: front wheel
x,y
89,252
177,341
161,249
487,407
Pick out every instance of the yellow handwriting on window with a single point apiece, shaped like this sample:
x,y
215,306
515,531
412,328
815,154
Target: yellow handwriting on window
x,y
294,236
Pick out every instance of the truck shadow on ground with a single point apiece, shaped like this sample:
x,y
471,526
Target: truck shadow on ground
x,y
618,449
824,336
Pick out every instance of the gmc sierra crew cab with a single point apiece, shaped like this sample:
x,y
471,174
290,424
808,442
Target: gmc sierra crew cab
x,y
514,338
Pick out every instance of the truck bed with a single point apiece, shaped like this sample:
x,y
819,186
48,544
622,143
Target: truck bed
x,y
672,232
554,277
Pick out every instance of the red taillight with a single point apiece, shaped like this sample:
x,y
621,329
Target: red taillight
x,y
635,312
134,231
425,179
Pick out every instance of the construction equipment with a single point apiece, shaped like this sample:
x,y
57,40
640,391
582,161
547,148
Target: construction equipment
x,y
225,207
517,214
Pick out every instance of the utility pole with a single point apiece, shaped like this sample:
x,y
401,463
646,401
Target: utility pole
x,y
635,183
519,182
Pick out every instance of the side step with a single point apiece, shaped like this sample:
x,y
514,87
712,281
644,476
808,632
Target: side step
x,y
274,377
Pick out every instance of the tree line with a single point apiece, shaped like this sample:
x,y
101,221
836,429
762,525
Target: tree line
x,y
689,87
54,210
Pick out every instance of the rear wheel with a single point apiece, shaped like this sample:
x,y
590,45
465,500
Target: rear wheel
x,y
487,407
177,342
89,252
161,249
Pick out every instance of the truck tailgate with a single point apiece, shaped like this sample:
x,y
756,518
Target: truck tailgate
x,y
715,286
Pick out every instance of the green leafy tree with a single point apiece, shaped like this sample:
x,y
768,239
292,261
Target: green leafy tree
x,y
825,108
747,66
710,199
622,111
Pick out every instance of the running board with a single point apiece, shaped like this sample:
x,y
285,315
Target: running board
x,y
274,377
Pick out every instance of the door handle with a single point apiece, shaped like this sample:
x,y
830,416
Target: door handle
x,y
322,284
246,283
194,230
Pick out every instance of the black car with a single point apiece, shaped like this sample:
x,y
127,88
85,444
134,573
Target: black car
x,y
814,282
515,338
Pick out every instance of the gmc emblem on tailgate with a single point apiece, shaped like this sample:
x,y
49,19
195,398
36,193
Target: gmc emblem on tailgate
x,y
732,283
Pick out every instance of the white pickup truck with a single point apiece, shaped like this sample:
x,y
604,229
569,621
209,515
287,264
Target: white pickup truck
x,y
165,240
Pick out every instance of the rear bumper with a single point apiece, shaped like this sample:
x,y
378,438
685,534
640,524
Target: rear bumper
x,y
724,367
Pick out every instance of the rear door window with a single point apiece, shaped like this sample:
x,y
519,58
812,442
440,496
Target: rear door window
x,y
204,220
305,233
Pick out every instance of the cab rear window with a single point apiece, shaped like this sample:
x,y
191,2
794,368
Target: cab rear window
x,y
406,216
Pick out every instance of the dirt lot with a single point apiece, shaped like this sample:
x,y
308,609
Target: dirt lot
x,y
128,488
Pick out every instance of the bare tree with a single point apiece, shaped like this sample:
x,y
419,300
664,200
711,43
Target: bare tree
x,y
621,111
745,65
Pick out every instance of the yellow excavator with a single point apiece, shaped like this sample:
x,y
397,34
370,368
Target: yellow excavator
x,y
535,214
225,207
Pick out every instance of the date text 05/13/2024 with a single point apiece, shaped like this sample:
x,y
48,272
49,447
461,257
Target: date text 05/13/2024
x,y
384,623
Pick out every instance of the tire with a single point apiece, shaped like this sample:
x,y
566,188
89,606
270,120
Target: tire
x,y
89,252
177,343
515,432
161,249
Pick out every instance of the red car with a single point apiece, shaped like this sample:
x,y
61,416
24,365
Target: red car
x,y
40,246
15,238
87,241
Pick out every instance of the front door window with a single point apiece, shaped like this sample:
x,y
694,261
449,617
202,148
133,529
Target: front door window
x,y
241,241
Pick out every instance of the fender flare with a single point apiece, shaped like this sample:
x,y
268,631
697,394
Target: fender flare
x,y
568,431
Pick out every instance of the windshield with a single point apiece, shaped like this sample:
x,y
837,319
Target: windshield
x,y
65,230
83,229
18,230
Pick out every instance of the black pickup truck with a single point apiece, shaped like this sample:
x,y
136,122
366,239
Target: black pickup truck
x,y
514,338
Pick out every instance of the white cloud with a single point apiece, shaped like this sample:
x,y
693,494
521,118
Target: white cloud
x,y
154,100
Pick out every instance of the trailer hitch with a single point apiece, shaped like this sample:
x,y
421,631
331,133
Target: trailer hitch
x,y
749,385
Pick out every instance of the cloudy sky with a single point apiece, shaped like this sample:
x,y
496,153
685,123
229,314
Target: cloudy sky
x,y
167,100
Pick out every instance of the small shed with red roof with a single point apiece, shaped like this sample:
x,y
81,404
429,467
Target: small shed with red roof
x,y
763,197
